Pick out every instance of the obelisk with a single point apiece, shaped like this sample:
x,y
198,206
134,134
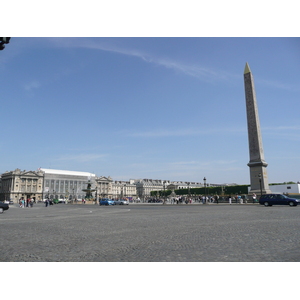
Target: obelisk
x,y
258,173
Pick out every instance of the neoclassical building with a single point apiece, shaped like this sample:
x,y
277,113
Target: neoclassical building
x,y
144,187
104,187
19,184
124,189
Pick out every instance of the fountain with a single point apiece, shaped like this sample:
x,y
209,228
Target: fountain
x,y
88,191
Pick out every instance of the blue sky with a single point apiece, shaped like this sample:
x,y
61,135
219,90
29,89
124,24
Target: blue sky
x,y
160,108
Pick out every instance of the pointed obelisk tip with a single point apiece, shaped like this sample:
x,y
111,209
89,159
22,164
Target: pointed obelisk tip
x,y
247,69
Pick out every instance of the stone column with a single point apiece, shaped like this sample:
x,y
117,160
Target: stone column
x,y
257,164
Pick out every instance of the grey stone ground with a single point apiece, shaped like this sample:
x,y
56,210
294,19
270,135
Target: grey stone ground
x,y
150,233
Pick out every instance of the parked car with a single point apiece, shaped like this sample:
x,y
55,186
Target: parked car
x,y
8,201
277,199
3,207
106,201
121,202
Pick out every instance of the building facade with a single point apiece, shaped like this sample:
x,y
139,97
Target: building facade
x,y
104,187
18,184
66,185
124,189
69,185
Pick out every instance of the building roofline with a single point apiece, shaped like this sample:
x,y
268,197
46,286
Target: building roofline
x,y
65,172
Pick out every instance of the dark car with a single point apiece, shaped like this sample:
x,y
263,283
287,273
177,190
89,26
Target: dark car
x,y
277,199
3,207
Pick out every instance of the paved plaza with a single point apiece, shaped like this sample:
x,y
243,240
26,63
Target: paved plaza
x,y
150,233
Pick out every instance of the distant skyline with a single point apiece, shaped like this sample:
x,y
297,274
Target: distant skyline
x,y
158,108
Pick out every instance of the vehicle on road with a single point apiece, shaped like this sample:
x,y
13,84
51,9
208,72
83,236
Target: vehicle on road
x,y
106,201
3,207
121,202
278,199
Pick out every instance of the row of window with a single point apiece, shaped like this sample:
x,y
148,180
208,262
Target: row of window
x,y
62,186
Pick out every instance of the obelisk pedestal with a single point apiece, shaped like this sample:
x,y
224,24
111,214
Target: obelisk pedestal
x,y
258,173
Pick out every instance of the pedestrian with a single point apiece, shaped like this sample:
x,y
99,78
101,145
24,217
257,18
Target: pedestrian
x,y
229,200
217,199
254,197
27,202
46,202
240,199
31,203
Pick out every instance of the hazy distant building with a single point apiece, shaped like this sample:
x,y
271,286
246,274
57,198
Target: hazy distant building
x,y
144,187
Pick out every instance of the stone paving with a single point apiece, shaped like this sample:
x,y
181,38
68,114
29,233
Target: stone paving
x,y
150,233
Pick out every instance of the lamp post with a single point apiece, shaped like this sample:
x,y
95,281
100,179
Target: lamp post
x,y
96,195
204,179
189,192
164,192
259,178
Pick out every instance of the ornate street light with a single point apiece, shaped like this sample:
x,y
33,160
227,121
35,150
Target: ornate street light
x,y
259,178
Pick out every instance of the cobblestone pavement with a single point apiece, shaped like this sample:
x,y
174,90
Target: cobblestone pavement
x,y
150,233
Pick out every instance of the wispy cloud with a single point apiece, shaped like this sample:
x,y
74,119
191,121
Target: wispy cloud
x,y
194,70
280,85
32,85
282,128
181,132
290,133
201,164
82,157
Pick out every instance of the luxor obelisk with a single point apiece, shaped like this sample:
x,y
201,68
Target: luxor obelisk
x,y
258,173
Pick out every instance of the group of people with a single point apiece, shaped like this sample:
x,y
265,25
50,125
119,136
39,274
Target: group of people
x,y
26,203
238,199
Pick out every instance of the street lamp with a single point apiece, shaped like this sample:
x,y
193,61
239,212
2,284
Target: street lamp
x,y
189,192
204,179
259,178
96,195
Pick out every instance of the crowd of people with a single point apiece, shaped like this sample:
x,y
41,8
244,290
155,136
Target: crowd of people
x,y
26,203
237,199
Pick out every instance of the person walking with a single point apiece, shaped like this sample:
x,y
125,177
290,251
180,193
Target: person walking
x,y
240,199
229,200
254,198
217,199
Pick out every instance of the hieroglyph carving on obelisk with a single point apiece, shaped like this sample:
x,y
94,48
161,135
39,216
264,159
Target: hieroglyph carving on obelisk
x,y
257,164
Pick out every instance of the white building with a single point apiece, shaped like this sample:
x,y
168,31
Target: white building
x,y
62,184
285,188
293,188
